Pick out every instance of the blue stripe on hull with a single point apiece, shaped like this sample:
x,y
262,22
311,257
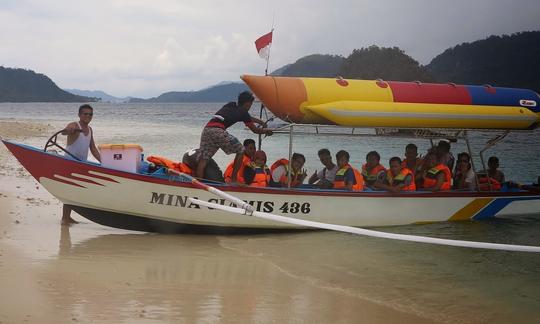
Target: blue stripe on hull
x,y
502,96
497,205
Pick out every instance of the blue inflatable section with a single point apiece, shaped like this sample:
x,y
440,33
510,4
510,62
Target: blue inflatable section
x,y
495,96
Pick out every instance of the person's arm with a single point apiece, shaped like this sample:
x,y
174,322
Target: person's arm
x,y
249,175
440,181
259,130
258,121
384,186
349,179
314,178
94,149
302,177
277,173
72,131
70,128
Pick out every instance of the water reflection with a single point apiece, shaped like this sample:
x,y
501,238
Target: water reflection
x,y
188,278
320,276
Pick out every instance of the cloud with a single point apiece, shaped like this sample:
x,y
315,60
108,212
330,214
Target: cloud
x,y
143,48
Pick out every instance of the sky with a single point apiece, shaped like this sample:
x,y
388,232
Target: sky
x,y
143,48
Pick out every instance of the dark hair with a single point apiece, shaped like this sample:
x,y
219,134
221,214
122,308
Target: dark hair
x,y
342,153
323,152
297,156
244,97
411,146
375,154
444,144
493,159
395,158
248,141
462,154
85,106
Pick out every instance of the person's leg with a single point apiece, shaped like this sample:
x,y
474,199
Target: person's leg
x,y
66,216
200,168
232,145
211,139
236,166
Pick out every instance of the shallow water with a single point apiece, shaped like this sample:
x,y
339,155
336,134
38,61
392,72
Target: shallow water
x,y
171,129
303,277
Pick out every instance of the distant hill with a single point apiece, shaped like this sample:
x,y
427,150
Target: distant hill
x,y
19,85
387,63
498,60
279,71
315,66
366,63
105,97
219,93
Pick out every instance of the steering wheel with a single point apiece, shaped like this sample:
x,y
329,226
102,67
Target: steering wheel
x,y
52,142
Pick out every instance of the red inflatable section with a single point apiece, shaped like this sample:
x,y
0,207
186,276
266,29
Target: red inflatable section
x,y
430,93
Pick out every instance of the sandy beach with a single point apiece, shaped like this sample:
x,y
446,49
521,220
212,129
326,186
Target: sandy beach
x,y
89,273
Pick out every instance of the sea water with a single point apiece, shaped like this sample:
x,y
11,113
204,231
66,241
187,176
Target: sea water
x,y
442,283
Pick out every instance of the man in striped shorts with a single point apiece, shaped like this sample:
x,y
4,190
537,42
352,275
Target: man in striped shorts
x,y
215,136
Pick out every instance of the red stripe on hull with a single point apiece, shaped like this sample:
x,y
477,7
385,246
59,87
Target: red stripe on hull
x,y
430,93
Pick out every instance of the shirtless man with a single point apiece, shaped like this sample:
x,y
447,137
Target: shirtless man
x,y
80,139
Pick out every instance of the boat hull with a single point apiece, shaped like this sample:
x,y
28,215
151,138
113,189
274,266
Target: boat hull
x,y
147,203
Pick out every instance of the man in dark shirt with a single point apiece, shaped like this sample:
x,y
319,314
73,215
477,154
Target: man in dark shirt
x,y
215,136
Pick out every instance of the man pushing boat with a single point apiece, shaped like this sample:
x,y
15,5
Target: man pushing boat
x,y
215,136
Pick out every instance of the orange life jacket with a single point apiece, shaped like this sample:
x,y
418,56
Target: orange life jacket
x,y
227,175
430,180
486,183
295,176
394,181
371,176
417,166
262,176
339,180
178,166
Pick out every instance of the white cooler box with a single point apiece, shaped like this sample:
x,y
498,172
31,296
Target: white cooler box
x,y
125,157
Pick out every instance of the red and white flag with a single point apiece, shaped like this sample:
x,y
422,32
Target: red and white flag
x,y
263,45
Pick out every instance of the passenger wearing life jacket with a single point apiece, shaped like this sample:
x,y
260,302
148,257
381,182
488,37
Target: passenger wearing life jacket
x,y
493,171
324,179
281,170
413,162
257,173
169,164
464,177
247,158
444,155
347,177
437,176
372,170
398,178
493,180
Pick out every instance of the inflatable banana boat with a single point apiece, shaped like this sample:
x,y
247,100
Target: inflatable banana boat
x,y
378,103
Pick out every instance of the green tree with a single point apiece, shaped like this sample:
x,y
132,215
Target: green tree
x,y
387,63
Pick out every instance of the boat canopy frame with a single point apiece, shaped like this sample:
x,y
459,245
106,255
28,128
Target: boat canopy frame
x,y
452,134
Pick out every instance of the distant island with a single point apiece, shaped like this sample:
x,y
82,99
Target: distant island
x,y
100,95
19,85
505,61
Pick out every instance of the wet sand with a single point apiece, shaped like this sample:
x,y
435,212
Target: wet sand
x,y
90,273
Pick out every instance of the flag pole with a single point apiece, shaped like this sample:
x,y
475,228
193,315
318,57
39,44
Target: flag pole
x,y
266,74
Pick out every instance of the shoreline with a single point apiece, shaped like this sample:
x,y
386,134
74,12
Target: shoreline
x,y
88,272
